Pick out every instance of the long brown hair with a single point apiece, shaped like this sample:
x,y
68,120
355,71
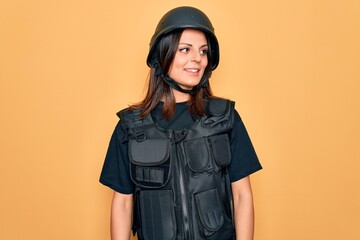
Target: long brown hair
x,y
158,89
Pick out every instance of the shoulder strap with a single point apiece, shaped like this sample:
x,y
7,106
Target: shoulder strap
x,y
132,118
219,112
134,124
218,106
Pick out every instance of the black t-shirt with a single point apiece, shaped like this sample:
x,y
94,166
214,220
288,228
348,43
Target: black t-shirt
x,y
115,171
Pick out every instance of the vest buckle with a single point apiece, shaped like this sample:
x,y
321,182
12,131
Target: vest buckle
x,y
178,136
140,136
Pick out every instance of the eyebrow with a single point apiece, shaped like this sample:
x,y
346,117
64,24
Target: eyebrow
x,y
190,45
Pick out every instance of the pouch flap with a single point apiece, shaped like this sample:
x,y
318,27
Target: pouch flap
x,y
197,154
209,209
220,146
150,152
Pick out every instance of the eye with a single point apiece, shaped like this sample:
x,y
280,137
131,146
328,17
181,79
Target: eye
x,y
204,52
184,50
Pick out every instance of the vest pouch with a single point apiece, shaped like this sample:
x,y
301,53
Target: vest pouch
x,y
220,148
150,162
211,214
157,214
197,154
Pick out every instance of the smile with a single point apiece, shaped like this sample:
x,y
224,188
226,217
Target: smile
x,y
193,70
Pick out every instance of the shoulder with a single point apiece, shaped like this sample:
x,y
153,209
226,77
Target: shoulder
x,y
128,117
219,106
124,112
219,114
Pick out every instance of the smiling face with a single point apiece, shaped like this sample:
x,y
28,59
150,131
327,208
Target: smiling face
x,y
190,59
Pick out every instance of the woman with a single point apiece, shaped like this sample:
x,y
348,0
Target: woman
x,y
179,161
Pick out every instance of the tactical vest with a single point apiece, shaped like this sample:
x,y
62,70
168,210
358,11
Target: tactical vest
x,y
182,187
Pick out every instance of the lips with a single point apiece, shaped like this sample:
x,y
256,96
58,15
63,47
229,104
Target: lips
x,y
192,70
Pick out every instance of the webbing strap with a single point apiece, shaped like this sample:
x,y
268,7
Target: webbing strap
x,y
153,175
136,117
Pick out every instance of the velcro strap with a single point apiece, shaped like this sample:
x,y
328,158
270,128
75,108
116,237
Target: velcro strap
x,y
151,175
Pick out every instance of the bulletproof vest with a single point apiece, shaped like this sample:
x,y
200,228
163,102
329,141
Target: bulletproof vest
x,y
182,187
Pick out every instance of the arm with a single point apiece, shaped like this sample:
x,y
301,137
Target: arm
x,y
243,209
121,216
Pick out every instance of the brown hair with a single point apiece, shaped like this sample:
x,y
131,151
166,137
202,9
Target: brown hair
x,y
159,89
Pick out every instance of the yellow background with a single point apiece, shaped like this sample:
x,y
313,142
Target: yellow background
x,y
66,68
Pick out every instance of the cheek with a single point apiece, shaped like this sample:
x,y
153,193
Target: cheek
x,y
181,62
205,61
174,69
204,65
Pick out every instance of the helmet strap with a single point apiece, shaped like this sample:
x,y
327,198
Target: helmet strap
x,y
172,83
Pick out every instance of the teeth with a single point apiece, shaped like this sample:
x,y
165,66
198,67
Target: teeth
x,y
192,70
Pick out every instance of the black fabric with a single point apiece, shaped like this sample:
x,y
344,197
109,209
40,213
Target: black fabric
x,y
210,213
115,171
159,216
197,154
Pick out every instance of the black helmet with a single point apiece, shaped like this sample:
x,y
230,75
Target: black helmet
x,y
181,18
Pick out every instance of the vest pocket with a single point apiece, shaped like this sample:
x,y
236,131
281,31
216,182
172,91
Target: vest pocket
x,y
150,162
197,154
210,212
157,215
220,148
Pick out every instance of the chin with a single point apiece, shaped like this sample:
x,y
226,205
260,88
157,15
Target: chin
x,y
189,87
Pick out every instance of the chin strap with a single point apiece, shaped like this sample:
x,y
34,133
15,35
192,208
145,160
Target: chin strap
x,y
172,83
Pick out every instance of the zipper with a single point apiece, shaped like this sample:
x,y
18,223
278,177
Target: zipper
x,y
183,192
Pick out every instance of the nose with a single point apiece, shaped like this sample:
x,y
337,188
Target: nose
x,y
195,56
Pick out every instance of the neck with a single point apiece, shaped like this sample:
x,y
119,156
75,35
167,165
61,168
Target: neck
x,y
180,96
